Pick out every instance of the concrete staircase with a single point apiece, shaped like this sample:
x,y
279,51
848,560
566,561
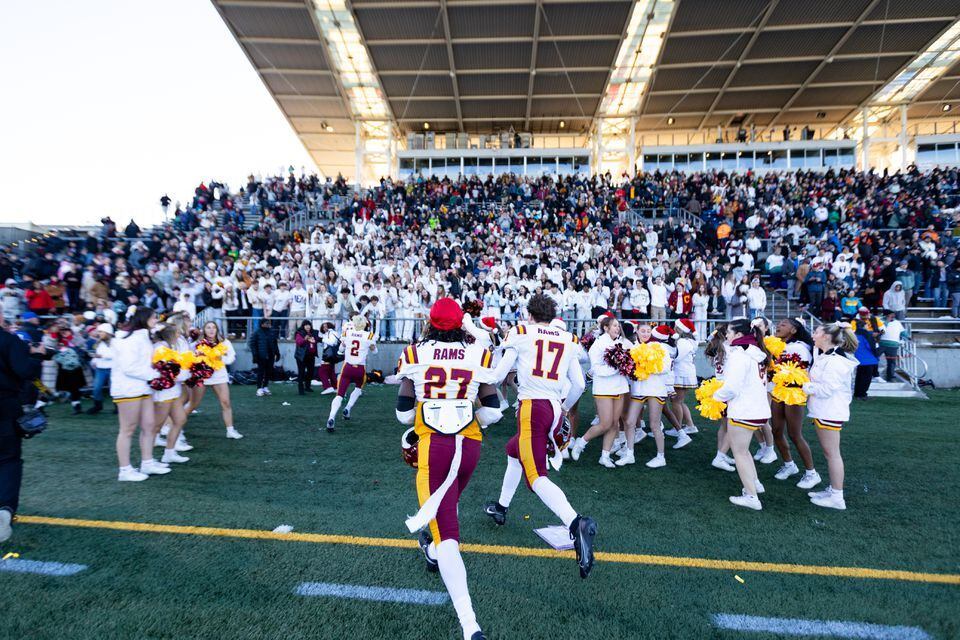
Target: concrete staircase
x,y
880,388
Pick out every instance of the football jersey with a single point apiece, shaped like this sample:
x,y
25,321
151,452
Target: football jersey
x,y
544,355
356,346
446,371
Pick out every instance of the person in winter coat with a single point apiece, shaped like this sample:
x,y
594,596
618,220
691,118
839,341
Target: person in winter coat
x,y
896,300
265,351
305,354
744,390
828,402
102,363
867,330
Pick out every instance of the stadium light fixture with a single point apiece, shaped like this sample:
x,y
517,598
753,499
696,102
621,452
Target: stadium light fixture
x,y
946,108
638,53
562,124
671,120
426,126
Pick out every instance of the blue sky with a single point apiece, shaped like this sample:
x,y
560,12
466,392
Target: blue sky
x,y
105,105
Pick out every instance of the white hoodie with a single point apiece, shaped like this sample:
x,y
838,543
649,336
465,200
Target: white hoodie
x,y
132,365
830,388
744,383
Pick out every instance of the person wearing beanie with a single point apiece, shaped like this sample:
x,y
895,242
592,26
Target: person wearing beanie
x,y
442,378
684,378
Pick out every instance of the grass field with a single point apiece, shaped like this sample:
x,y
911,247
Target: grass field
x,y
902,497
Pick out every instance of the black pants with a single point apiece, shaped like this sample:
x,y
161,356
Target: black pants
x,y
11,464
305,369
861,382
264,373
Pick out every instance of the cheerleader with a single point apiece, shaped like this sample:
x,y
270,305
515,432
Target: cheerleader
x,y
651,393
799,350
183,324
828,402
167,402
130,376
767,453
684,378
219,381
745,392
609,386
326,373
715,353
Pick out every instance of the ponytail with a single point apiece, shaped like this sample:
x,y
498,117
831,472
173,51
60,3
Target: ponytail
x,y
842,336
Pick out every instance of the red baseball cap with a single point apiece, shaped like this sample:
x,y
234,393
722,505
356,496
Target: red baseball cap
x,y
446,314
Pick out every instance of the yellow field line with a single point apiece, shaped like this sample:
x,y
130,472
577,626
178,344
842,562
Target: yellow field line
x,y
524,552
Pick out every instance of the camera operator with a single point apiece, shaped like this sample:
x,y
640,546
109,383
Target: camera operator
x,y
19,365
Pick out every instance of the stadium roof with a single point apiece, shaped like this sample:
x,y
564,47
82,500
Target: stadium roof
x,y
484,65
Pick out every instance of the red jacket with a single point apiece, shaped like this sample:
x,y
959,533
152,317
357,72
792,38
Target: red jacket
x,y
39,301
686,304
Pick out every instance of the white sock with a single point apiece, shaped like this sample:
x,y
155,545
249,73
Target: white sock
x,y
837,492
554,498
127,468
230,427
454,576
580,442
432,551
354,396
170,451
511,480
335,406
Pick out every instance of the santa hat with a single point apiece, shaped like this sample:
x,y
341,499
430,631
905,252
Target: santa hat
x,y
489,322
662,333
684,325
557,323
446,314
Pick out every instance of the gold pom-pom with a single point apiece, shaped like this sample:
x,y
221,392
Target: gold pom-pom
x,y
788,380
212,355
708,407
648,358
774,345
165,353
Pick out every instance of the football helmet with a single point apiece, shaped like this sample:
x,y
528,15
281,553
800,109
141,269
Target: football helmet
x,y
408,447
559,437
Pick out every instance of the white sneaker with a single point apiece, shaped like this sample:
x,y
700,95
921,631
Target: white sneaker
x,y
626,459
619,444
165,430
565,454
657,461
328,391
195,412
595,421
682,440
730,460
769,456
833,501
640,435
5,530
233,434
809,480
673,433
759,486
760,452
160,441
577,449
691,429
266,392
786,470
182,444
131,475
747,500
153,468
605,461
260,392
642,426
820,494
173,456
720,463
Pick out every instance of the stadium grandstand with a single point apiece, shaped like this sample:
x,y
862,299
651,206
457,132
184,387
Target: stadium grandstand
x,y
735,214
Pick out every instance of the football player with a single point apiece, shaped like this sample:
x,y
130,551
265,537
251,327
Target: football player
x,y
356,344
550,382
441,379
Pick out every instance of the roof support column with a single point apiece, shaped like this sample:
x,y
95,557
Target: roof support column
x,y
865,143
632,150
357,155
903,137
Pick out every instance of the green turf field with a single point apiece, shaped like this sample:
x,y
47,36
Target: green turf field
x,y
902,496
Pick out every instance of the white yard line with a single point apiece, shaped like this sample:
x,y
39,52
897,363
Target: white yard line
x,y
380,594
821,628
15,565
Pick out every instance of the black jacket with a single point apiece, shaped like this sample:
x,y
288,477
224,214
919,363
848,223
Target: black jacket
x,y
263,345
17,367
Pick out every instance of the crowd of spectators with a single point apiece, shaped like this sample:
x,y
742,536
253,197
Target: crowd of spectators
x,y
834,242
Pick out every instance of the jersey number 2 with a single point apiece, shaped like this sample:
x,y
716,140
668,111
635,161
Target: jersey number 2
x,y
355,349
555,348
435,379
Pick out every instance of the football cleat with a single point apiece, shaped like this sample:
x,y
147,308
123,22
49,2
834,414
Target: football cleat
x,y
478,636
346,414
330,426
496,511
424,541
583,529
